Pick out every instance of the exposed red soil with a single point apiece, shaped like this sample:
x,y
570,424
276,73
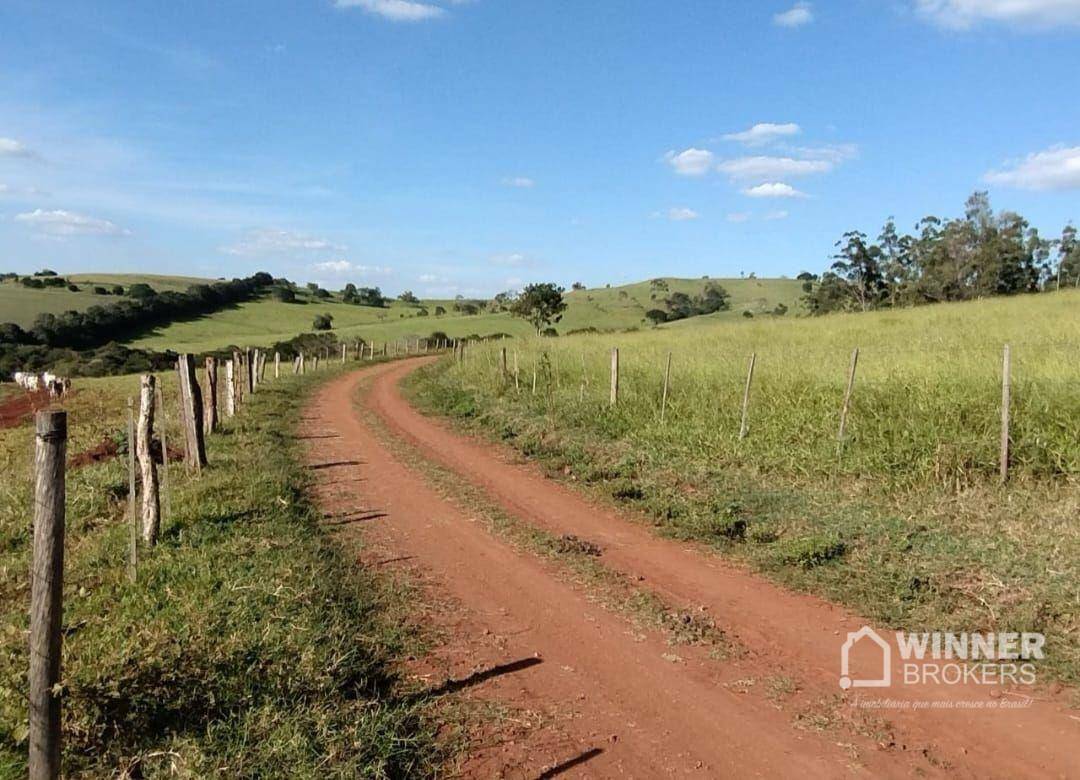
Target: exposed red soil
x,y
103,450
650,709
108,448
21,405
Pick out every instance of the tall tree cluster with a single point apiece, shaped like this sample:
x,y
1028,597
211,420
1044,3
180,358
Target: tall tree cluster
x,y
974,256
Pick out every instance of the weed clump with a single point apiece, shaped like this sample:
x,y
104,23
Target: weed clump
x,y
811,551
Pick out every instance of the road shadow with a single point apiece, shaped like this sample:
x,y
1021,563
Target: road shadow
x,y
569,764
453,686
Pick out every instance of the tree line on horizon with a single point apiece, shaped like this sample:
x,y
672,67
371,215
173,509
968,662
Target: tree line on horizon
x,y
978,255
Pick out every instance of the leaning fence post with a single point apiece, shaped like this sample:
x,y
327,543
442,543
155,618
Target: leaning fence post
x,y
1006,399
133,514
151,506
667,382
210,413
47,594
847,398
190,404
614,376
744,426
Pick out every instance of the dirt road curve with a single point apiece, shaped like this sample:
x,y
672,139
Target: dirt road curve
x,y
590,695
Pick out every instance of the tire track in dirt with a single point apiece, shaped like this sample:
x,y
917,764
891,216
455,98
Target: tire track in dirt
x,y
785,630
603,699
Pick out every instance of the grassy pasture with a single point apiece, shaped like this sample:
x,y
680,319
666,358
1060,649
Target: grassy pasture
x,y
905,522
617,308
22,305
251,646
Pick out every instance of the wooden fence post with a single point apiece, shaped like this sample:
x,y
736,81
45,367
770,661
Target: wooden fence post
x,y
210,413
502,363
1006,402
262,367
238,385
667,382
151,505
302,367
190,404
744,426
165,456
250,374
847,399
230,389
517,374
343,353
133,513
277,365
614,376
47,593
315,362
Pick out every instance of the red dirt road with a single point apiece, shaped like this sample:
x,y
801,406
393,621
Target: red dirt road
x,y
622,701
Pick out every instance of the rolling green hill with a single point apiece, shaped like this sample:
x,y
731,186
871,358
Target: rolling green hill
x,y
267,320
608,308
21,305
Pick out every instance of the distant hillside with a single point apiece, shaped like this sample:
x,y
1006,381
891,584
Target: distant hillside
x,y
266,320
21,305
625,306
608,308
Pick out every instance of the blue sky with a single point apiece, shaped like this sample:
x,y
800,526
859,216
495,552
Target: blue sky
x,y
468,146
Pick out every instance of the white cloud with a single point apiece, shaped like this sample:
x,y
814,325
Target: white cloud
x,y
334,266
60,223
345,267
965,14
681,214
9,147
739,216
690,162
272,241
522,182
430,278
764,168
395,10
796,16
778,214
763,133
773,189
1056,168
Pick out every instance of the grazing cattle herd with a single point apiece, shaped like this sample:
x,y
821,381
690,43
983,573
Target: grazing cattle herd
x,y
58,386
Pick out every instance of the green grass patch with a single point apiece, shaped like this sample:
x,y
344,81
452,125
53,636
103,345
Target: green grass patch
x,y
250,646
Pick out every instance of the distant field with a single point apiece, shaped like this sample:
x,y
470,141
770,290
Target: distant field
x,y
266,320
21,305
616,308
625,307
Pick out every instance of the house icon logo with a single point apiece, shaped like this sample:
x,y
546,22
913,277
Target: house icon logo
x,y
846,681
